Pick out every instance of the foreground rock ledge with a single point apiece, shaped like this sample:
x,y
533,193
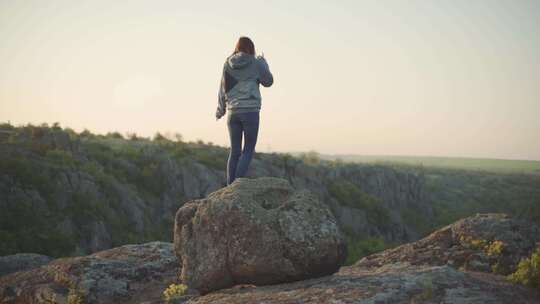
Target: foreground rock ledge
x,y
399,283
430,270
126,274
256,231
450,265
21,261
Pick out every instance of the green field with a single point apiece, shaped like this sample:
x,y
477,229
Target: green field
x,y
481,164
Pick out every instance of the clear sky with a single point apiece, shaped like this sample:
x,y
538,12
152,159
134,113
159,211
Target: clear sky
x,y
443,78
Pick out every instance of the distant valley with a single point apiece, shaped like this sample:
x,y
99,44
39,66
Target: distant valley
x,y
463,163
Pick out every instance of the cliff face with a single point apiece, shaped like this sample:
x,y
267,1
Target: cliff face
x,y
382,193
81,193
85,194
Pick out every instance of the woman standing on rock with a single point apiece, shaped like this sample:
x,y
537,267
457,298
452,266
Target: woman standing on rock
x,y
239,95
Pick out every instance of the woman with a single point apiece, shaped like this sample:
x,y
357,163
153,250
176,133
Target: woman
x,y
239,95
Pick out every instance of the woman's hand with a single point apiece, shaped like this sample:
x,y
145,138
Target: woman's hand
x,y
265,76
219,114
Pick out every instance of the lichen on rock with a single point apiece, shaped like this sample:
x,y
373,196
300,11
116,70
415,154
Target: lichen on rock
x,y
256,231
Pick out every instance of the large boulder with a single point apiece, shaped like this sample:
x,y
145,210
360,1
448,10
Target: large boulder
x,y
256,231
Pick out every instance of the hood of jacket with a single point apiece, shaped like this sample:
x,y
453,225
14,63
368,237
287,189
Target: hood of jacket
x,y
240,60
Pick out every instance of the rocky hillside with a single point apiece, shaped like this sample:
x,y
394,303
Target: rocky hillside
x,y
452,265
84,193
66,193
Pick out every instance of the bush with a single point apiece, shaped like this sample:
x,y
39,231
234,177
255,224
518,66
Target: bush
x,y
6,126
312,158
86,134
38,234
348,194
9,243
358,248
152,179
60,157
159,137
174,291
212,158
528,271
495,248
179,138
415,219
115,135
75,296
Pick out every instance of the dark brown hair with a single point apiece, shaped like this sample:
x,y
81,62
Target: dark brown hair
x,y
245,45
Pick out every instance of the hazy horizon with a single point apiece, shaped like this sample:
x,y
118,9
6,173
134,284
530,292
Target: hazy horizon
x,y
404,78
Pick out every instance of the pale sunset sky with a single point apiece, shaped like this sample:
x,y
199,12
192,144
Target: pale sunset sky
x,y
433,77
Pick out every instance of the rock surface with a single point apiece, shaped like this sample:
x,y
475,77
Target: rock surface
x,y
445,267
391,284
126,274
485,242
256,231
21,261
420,273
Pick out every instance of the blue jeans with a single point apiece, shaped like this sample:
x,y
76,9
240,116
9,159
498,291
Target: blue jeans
x,y
247,125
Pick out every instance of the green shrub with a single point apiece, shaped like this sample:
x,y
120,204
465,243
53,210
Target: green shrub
x,y
151,179
426,294
348,194
75,297
358,248
86,134
115,135
9,243
84,208
38,234
528,271
312,158
415,219
174,291
50,299
159,137
497,268
179,138
180,151
495,248
6,126
60,157
213,158
29,173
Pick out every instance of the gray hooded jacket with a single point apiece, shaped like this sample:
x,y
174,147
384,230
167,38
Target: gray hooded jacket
x,y
239,88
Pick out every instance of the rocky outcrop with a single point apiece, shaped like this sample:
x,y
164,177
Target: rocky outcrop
x,y
21,261
256,231
391,284
485,242
127,274
420,272
441,268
